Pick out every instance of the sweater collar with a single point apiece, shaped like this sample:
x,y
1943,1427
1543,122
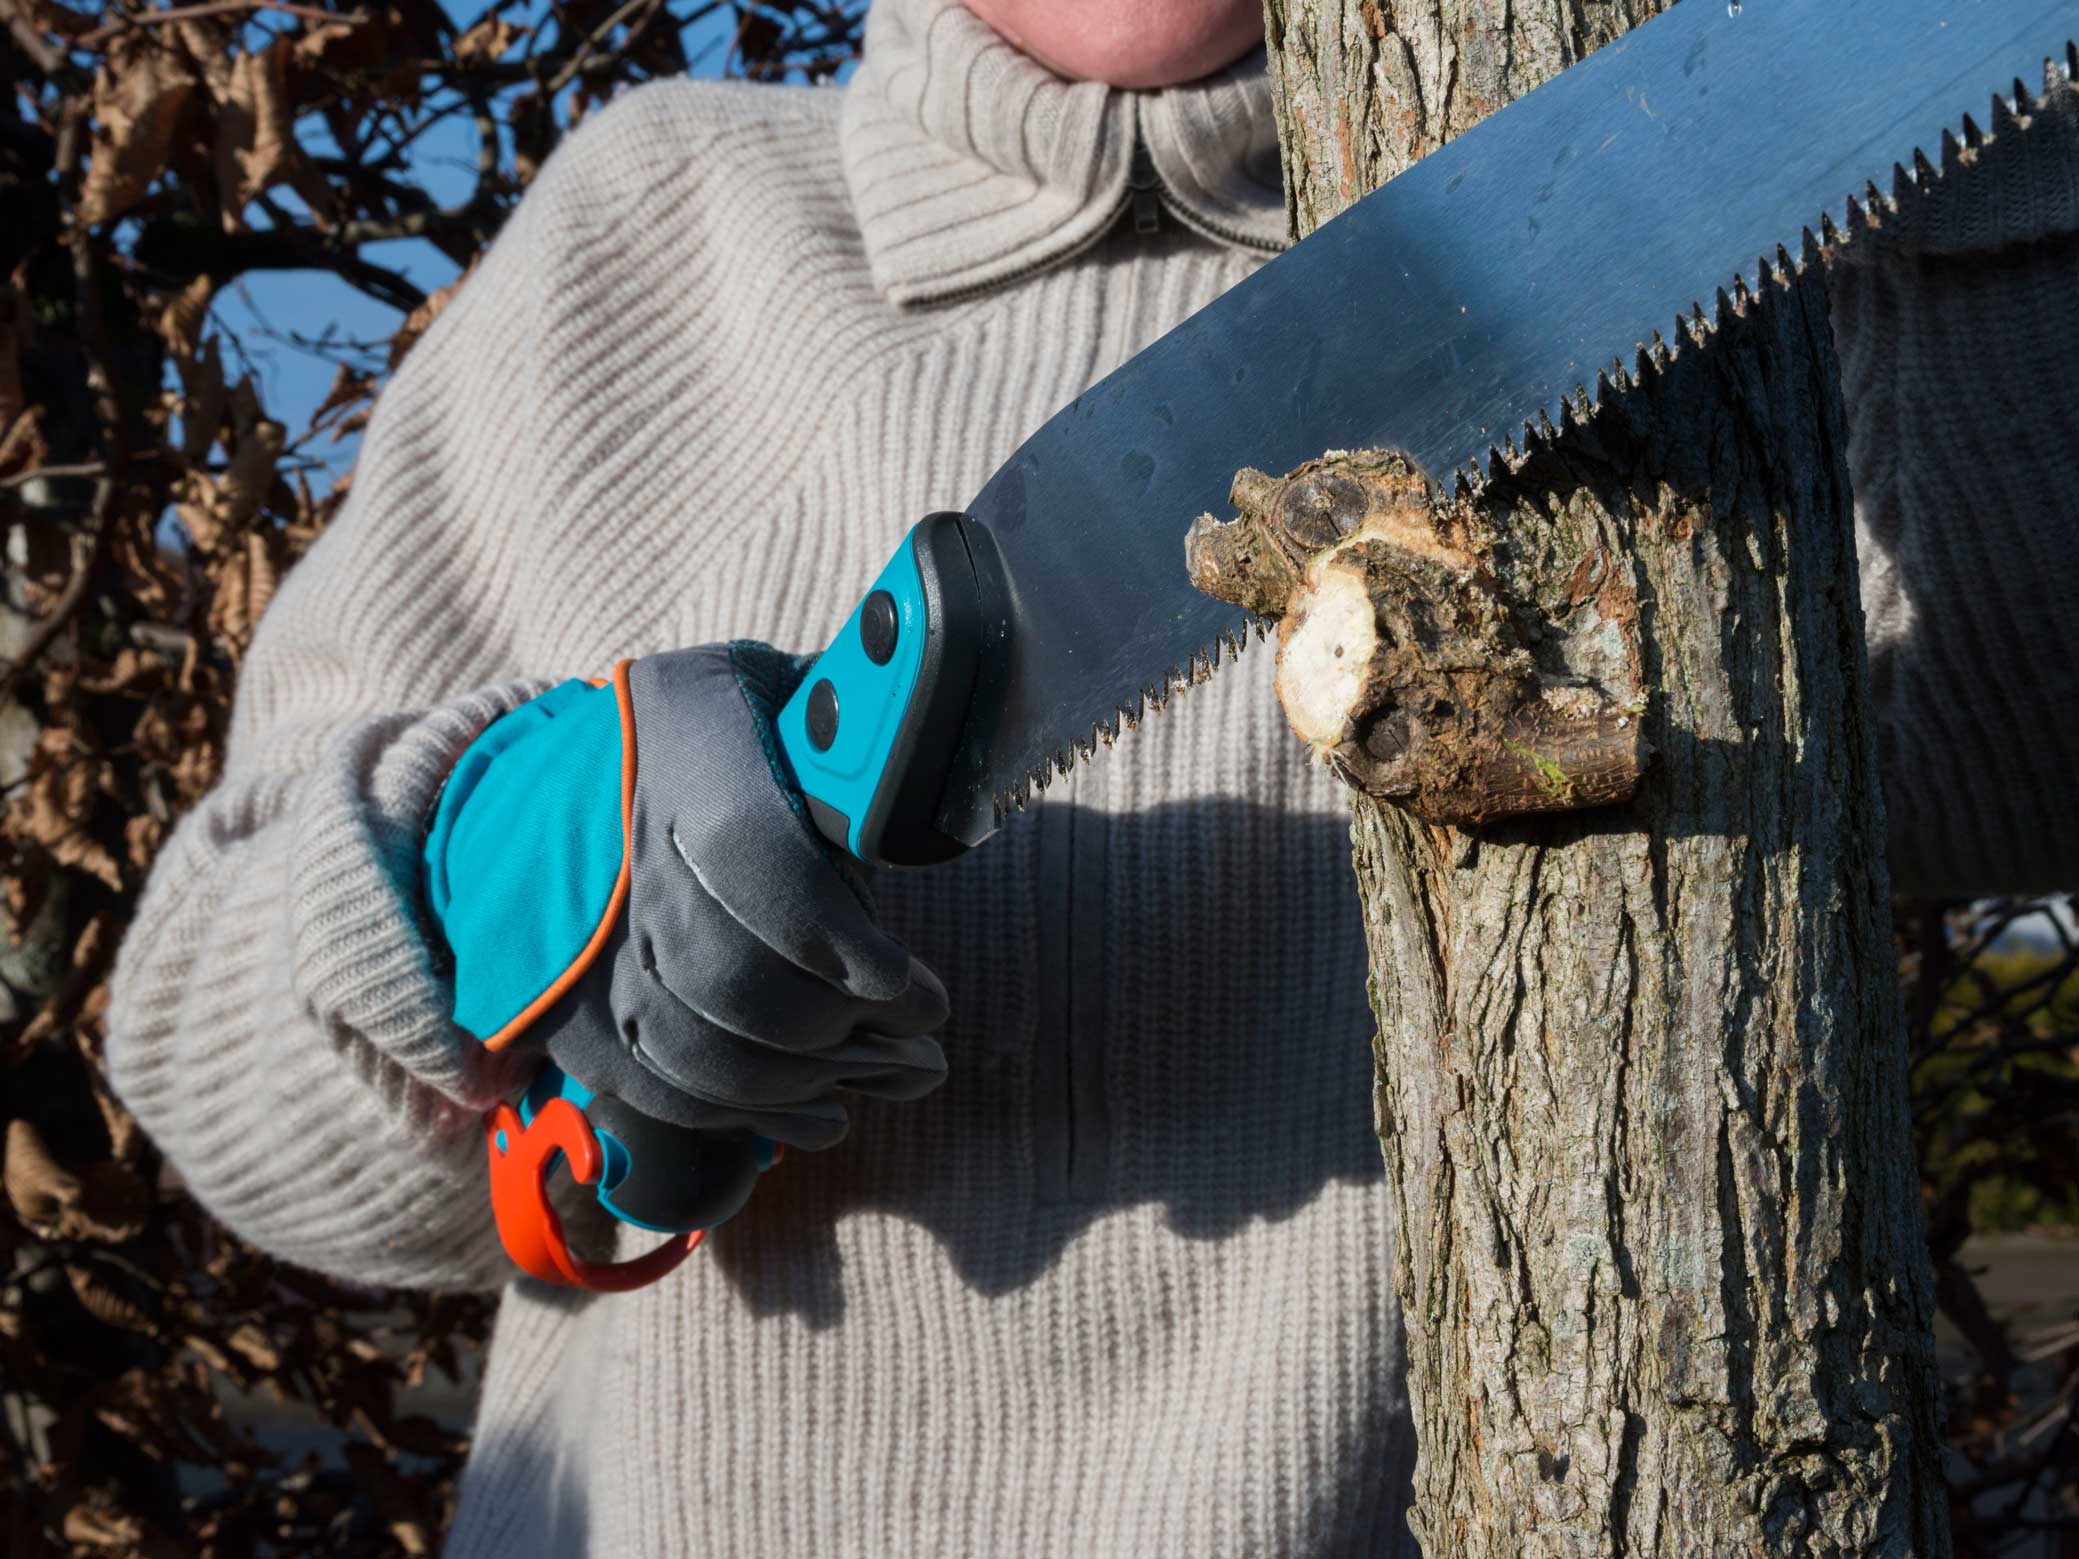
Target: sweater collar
x,y
969,164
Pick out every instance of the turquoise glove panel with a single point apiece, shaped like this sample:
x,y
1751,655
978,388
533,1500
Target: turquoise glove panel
x,y
525,849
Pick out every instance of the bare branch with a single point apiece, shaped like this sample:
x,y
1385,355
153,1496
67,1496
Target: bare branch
x,y
183,13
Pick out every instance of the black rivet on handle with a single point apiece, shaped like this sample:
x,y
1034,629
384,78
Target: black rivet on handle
x,y
878,627
822,715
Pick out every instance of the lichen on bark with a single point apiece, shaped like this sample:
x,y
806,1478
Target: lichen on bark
x,y
1639,1069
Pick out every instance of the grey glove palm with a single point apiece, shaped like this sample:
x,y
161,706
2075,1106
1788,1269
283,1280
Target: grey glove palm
x,y
747,982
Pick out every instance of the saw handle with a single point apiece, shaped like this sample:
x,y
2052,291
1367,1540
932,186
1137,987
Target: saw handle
x,y
870,732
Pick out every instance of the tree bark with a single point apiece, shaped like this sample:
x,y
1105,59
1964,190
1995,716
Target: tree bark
x,y
1640,1067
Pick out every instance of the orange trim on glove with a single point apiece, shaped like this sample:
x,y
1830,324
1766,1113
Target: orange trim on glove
x,y
560,987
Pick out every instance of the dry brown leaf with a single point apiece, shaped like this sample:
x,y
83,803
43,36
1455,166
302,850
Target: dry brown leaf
x,y
41,1190
93,1013
255,1347
421,319
50,1199
107,1202
125,1136
210,1353
255,131
367,58
204,398
209,42
128,672
487,40
56,806
215,509
251,471
103,1527
339,45
92,942
141,837
180,322
149,579
100,1299
131,1405
176,734
196,509
245,585
22,444
347,388
139,94
262,575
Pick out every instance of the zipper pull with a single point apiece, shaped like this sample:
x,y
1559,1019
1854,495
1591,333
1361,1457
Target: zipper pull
x,y
1146,184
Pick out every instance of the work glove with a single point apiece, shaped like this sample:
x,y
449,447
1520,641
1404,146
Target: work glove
x,y
631,887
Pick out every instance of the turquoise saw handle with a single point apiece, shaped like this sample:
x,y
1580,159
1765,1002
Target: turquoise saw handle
x,y
871,730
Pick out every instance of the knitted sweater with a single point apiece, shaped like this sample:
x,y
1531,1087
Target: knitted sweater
x,y
1122,1284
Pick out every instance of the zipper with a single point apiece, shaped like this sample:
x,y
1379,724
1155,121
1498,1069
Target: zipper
x,y
1206,228
1144,190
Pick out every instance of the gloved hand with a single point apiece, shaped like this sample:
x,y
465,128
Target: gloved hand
x,y
630,885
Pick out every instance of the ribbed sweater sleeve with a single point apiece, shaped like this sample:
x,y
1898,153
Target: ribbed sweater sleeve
x,y
280,1021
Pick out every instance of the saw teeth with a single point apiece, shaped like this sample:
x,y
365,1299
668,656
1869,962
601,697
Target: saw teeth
x,y
1911,180
1198,667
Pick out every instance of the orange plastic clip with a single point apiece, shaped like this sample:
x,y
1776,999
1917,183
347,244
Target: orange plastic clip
x,y
527,1224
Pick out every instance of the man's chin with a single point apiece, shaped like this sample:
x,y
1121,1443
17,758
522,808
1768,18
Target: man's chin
x,y
1156,44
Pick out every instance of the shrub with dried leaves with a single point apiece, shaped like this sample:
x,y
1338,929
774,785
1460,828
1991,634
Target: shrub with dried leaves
x,y
150,503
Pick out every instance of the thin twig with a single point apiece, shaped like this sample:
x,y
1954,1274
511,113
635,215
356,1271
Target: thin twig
x,y
36,473
83,561
599,35
46,56
185,13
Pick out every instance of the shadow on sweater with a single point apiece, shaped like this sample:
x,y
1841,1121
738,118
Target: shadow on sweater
x,y
527,1489
520,1496
1163,1009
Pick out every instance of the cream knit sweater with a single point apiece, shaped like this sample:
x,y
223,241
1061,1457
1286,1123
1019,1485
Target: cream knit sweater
x,y
1121,1286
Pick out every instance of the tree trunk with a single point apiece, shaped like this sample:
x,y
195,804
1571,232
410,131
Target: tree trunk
x,y
1640,1069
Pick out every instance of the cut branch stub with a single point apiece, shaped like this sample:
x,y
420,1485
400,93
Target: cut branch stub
x,y
1402,657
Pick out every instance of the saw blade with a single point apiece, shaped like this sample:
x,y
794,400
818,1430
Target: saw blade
x,y
1505,282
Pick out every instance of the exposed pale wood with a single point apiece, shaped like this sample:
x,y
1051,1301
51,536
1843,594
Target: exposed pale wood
x,y
1406,664
1641,1081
